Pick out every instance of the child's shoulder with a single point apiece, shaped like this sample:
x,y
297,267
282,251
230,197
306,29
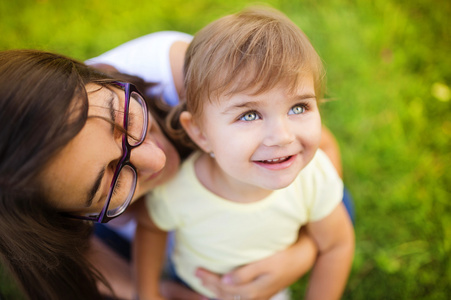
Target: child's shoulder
x,y
319,169
320,186
320,161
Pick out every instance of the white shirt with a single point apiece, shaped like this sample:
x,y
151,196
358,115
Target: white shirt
x,y
147,57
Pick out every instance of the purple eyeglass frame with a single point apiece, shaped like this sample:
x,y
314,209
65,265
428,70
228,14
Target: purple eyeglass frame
x,y
125,159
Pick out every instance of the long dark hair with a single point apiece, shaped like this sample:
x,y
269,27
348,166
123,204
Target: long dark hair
x,y
43,105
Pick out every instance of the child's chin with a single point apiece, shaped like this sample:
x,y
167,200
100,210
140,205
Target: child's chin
x,y
279,184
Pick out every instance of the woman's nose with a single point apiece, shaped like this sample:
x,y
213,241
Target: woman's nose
x,y
148,157
278,133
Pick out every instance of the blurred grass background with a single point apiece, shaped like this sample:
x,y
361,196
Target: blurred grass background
x,y
389,75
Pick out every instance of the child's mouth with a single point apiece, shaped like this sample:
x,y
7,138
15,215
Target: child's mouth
x,y
276,160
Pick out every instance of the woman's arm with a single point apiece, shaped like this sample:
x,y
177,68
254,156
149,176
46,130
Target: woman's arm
x,y
264,278
334,236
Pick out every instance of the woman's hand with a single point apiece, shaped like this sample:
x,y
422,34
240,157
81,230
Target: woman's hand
x,y
264,278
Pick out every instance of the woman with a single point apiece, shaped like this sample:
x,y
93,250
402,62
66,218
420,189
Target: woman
x,y
62,142
59,149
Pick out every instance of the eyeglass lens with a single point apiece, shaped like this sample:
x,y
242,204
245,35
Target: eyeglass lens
x,y
122,192
136,120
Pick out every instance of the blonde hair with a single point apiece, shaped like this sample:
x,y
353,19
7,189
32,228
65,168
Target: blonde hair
x,y
250,51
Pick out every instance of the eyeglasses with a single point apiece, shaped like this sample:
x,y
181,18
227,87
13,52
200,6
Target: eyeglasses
x,y
123,185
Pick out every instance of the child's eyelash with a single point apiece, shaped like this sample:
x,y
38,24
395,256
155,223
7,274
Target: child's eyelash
x,y
305,105
250,115
299,108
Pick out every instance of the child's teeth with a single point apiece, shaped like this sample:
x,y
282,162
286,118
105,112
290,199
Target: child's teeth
x,y
275,160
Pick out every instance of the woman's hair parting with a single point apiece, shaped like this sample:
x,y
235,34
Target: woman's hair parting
x,y
43,105
251,52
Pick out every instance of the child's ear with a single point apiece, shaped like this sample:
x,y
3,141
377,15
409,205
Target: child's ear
x,y
194,131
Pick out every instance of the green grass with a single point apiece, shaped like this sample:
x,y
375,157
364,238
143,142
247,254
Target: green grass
x,y
389,76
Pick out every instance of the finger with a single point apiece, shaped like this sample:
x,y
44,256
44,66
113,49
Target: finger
x,y
214,282
210,280
255,289
243,275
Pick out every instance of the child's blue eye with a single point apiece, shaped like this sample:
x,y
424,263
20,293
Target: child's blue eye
x,y
297,109
249,116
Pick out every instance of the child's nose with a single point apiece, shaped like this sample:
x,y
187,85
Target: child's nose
x,y
278,133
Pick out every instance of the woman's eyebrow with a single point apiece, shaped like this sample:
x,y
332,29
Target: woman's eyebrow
x,y
95,187
112,110
111,106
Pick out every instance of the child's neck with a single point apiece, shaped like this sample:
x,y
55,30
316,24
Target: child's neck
x,y
212,177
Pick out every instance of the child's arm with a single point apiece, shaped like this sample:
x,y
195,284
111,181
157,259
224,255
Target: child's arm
x,y
264,278
149,255
334,236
